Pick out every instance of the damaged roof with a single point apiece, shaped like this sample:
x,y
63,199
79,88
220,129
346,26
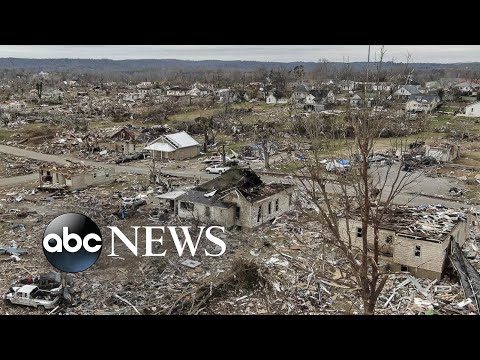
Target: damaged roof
x,y
246,181
427,222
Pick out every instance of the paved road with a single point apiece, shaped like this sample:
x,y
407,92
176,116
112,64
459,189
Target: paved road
x,y
412,196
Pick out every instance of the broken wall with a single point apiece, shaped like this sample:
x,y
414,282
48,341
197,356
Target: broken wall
x,y
213,215
385,241
98,177
249,212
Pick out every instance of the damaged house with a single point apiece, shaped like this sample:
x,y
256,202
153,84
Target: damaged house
x,y
73,176
178,146
414,239
238,198
257,150
444,152
422,103
122,140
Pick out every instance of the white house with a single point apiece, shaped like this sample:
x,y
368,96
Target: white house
x,y
466,87
271,99
177,91
422,103
198,90
356,100
346,85
145,85
473,109
178,146
406,90
381,87
310,99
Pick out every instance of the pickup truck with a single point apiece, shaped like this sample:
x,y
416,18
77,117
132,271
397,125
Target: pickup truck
x,y
31,295
217,169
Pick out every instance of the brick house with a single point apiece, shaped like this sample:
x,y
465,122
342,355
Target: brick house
x,y
414,239
237,198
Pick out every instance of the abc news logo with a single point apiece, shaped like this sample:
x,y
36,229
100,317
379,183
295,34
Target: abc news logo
x,y
73,242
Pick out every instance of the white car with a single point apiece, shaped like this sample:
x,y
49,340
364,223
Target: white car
x,y
217,169
31,295
337,166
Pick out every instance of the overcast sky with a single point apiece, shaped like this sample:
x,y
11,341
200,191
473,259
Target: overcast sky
x,y
283,53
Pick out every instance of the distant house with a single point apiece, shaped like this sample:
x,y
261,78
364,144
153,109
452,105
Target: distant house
x,y
178,146
356,101
422,103
237,198
145,85
466,87
55,94
272,99
473,109
198,90
443,152
406,91
122,140
382,86
14,106
256,150
345,85
323,96
301,92
432,85
71,83
177,91
227,95
133,96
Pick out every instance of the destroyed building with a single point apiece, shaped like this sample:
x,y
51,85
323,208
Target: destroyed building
x,y
178,146
444,152
73,176
238,198
122,140
414,239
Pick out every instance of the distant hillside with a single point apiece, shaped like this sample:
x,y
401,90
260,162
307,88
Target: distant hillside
x,y
65,65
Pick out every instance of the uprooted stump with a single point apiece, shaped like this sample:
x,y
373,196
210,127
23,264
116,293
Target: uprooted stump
x,y
244,274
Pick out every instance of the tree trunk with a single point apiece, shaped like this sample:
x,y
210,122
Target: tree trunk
x,y
266,157
206,142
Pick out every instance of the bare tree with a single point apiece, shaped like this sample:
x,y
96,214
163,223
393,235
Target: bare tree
x,y
206,124
265,134
361,195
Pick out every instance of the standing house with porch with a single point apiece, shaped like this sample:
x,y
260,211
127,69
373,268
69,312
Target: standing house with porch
x,y
405,91
418,240
237,198
73,176
178,146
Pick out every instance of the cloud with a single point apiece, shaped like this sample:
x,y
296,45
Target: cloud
x,y
287,53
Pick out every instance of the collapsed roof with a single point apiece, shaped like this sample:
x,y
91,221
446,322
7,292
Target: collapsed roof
x,y
427,222
245,181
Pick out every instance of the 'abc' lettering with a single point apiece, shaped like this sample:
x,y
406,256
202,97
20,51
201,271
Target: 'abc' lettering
x,y
61,243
